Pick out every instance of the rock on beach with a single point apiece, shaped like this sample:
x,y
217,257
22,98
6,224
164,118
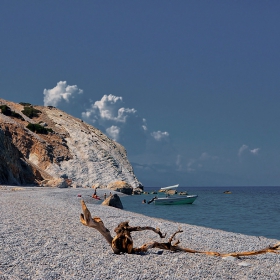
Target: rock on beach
x,y
41,237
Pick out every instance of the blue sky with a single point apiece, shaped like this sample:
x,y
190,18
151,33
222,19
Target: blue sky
x,y
190,88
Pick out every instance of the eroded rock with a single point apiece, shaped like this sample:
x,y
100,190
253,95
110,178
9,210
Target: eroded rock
x,y
114,201
121,186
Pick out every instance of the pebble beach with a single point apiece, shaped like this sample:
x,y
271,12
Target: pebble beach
x,y
41,237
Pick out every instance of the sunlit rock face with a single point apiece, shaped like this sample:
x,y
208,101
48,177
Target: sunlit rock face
x,y
59,145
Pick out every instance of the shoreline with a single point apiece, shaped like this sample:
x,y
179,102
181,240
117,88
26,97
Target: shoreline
x,y
41,237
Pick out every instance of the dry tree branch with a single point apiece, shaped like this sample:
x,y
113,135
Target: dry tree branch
x,y
94,222
123,242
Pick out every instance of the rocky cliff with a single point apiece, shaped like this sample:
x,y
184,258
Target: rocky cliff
x,y
13,167
40,143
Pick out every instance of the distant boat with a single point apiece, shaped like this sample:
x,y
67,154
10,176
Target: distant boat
x,y
170,187
227,192
175,200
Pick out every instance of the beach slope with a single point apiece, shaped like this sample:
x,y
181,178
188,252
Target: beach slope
x,y
41,237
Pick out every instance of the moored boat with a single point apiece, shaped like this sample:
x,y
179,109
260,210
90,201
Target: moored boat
x,y
175,200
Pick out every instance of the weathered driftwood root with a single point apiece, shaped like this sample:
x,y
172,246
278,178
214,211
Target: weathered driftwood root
x,y
123,243
94,222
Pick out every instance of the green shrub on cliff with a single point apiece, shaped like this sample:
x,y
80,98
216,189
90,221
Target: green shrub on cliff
x,y
25,104
6,110
30,112
35,127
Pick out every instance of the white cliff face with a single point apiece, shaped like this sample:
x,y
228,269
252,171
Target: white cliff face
x,y
96,158
74,150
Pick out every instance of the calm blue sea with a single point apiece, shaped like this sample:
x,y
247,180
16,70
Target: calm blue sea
x,y
247,210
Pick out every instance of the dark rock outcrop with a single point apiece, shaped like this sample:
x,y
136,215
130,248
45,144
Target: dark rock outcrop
x,y
137,191
121,186
114,201
14,170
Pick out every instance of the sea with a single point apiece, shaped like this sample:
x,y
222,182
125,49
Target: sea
x,y
246,210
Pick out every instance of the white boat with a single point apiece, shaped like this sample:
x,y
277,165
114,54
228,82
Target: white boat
x,y
175,200
170,187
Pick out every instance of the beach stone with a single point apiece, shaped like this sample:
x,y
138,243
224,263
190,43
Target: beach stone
x,y
17,189
229,258
76,186
99,186
114,201
244,264
121,186
55,183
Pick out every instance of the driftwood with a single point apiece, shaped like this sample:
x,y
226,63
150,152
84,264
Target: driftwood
x,y
123,243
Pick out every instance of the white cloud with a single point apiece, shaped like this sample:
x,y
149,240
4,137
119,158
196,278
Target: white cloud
x,y
205,161
144,126
242,149
245,148
190,164
255,151
159,135
61,92
108,109
204,156
113,132
109,113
